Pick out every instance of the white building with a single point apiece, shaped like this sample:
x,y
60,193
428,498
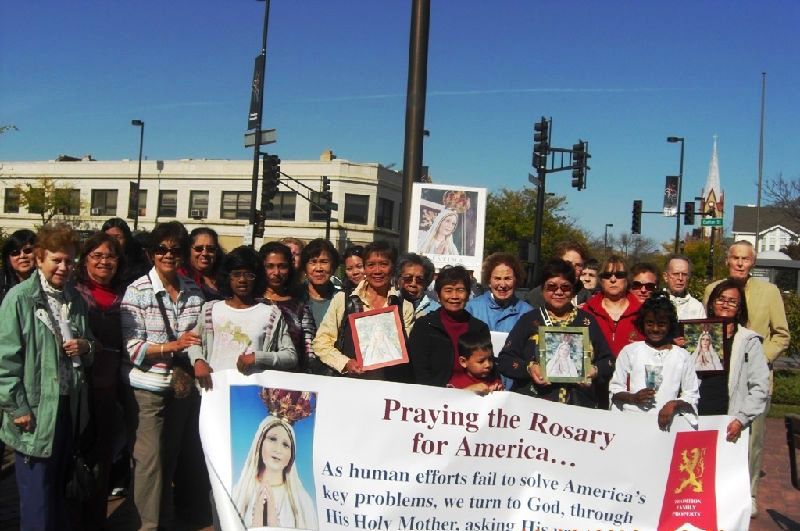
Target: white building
x,y
777,228
216,193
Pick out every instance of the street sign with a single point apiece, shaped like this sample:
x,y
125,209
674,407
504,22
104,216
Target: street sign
x,y
268,136
711,222
247,238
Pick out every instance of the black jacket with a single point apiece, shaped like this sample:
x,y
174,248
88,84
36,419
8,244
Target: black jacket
x,y
521,348
431,351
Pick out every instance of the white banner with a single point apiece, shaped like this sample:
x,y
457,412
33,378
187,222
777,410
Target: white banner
x,y
299,451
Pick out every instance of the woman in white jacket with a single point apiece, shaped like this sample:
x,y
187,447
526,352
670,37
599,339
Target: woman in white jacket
x,y
748,374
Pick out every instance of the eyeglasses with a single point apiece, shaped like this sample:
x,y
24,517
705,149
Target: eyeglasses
x,y
208,248
98,257
619,275
725,301
248,275
24,250
566,288
649,286
409,279
163,249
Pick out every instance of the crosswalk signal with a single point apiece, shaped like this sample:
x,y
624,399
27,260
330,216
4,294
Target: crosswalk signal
x,y
541,143
688,213
580,156
636,218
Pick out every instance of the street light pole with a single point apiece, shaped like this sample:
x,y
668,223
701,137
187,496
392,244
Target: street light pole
x,y
140,125
605,239
673,139
258,96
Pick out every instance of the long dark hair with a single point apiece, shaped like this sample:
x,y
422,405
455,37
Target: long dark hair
x,y
729,283
96,240
18,239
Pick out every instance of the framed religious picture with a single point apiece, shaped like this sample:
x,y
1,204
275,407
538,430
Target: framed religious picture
x,y
705,341
378,338
565,353
447,224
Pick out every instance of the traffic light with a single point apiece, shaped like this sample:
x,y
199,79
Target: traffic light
x,y
271,179
580,156
636,219
541,143
688,213
327,196
258,228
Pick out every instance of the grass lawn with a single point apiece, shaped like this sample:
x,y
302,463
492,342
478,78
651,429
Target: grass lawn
x,y
780,410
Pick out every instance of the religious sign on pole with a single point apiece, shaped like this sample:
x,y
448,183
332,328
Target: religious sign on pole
x,y
671,196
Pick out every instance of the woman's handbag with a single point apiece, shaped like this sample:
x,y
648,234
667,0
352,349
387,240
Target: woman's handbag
x,y
83,473
182,380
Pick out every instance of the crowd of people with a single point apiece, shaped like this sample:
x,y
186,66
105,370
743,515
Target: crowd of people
x,y
113,341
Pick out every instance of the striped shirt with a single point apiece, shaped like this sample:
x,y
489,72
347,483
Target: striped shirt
x,y
143,326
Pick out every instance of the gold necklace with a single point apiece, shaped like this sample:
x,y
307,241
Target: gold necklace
x,y
563,321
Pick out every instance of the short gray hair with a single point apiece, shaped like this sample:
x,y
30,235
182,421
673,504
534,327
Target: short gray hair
x,y
405,259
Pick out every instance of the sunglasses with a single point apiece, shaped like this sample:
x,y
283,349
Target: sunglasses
x,y
566,288
24,250
408,279
649,286
207,248
619,275
163,249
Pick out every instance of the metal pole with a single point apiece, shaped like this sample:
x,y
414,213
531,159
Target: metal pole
x,y
138,176
760,157
258,121
710,265
605,239
678,209
415,108
541,194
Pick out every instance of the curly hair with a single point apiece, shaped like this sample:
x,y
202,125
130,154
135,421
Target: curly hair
x,y
659,305
243,257
283,250
507,259
56,237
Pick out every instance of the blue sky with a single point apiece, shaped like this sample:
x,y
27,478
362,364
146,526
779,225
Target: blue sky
x,y
623,75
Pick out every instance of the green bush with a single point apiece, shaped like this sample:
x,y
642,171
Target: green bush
x,y
791,302
787,387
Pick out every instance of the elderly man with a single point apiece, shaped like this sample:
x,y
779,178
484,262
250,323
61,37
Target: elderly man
x,y
767,318
676,276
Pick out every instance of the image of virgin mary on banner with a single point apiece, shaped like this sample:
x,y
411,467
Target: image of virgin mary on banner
x,y
448,224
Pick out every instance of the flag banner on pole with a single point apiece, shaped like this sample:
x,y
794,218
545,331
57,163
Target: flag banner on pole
x,y
671,196
310,452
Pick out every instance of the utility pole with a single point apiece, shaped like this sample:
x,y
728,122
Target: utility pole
x,y
415,109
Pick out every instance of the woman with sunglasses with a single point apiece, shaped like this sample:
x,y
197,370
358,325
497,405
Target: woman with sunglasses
x,y
202,259
644,280
99,282
239,332
159,313
615,309
17,260
414,275
520,358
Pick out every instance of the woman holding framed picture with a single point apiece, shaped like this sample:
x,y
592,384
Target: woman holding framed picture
x,y
558,330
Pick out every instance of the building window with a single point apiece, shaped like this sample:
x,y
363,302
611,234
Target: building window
x,y
73,206
235,205
142,204
316,213
385,213
35,199
11,202
167,203
356,208
104,203
198,205
285,203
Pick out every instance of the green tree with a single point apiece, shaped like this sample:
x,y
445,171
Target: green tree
x,y
510,219
48,198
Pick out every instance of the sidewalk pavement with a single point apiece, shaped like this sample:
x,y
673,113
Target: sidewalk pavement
x,y
778,501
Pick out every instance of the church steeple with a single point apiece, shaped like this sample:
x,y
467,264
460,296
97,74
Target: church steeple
x,y
713,199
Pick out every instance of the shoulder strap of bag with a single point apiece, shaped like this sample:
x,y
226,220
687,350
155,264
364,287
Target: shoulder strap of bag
x,y
167,326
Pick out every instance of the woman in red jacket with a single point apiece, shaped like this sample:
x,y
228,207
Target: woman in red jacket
x,y
615,310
